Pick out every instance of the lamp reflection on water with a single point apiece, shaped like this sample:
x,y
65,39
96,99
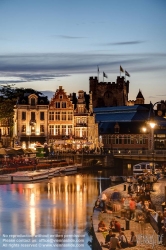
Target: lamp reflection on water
x,y
32,214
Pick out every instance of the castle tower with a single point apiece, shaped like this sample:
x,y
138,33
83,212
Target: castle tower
x,y
107,94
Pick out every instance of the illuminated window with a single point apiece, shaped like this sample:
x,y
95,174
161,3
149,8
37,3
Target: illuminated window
x,y
64,116
51,116
51,129
23,128
63,129
41,128
70,116
57,116
57,129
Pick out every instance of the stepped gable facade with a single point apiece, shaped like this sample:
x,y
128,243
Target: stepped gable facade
x,y
60,117
107,94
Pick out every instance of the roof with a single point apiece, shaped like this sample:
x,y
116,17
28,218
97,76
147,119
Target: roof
x,y
122,113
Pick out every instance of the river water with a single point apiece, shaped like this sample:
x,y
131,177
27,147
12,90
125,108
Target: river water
x,y
52,214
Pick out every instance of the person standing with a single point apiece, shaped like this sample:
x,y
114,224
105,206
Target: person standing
x,y
103,199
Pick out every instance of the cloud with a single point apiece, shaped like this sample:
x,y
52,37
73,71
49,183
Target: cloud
x,y
126,43
69,37
17,68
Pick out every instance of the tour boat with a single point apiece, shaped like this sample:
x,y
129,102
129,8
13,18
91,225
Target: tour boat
x,y
69,168
29,175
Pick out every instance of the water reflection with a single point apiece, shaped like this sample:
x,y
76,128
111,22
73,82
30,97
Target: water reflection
x,y
62,205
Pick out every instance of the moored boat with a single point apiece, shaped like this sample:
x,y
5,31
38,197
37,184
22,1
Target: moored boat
x,y
53,171
29,176
69,168
5,177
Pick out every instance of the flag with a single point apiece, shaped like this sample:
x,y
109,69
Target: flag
x,y
127,74
121,69
104,75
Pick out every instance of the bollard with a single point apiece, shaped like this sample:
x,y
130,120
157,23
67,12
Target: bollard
x,y
127,224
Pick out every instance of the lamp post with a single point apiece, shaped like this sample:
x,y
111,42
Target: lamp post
x,y
152,125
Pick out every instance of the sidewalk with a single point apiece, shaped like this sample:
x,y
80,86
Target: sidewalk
x,y
148,232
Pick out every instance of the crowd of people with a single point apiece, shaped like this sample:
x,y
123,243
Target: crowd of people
x,y
136,205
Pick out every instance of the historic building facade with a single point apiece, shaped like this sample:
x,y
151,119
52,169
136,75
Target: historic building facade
x,y
71,122
6,133
31,120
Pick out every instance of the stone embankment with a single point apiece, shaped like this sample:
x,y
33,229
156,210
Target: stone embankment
x,y
146,236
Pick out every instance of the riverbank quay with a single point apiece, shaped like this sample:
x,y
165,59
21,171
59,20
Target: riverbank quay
x,y
146,235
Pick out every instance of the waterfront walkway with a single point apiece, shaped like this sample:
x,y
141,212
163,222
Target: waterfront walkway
x,y
147,231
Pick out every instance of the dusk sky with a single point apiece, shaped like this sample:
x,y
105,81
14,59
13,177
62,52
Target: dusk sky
x,y
45,44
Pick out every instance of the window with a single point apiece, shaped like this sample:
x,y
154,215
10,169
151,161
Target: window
x,y
70,116
57,105
51,116
57,129
23,115
51,129
63,104
63,129
127,140
57,116
42,116
63,116
33,116
78,120
84,134
69,129
33,102
32,129
77,132
118,140
60,96
23,128
41,128
81,109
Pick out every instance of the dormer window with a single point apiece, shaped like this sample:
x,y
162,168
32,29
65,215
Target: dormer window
x,y
33,102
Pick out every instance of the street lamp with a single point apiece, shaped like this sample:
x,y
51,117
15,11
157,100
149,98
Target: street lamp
x,y
152,125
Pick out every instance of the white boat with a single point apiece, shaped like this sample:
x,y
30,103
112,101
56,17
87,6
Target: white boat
x,y
5,177
53,171
69,168
29,175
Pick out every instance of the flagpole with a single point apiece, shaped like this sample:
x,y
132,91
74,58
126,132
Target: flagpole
x,y
98,72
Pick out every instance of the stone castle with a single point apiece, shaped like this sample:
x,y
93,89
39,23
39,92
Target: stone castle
x,y
107,94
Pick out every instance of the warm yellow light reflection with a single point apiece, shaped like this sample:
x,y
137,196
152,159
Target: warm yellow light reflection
x,y
32,214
